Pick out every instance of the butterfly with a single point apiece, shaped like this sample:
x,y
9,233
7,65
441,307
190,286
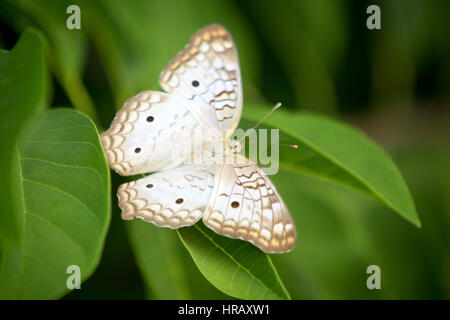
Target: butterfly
x,y
204,98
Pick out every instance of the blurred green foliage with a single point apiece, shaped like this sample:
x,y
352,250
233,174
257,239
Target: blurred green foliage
x,y
394,83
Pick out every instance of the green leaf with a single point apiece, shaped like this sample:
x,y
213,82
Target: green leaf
x,y
62,202
22,94
55,192
333,151
235,267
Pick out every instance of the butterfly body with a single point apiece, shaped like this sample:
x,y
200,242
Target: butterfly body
x,y
184,136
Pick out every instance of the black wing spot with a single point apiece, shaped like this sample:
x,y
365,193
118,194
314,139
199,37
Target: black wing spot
x,y
149,186
195,83
235,204
137,150
179,201
150,119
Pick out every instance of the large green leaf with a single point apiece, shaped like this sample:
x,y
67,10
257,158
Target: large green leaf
x,y
61,190
235,267
20,99
55,192
331,150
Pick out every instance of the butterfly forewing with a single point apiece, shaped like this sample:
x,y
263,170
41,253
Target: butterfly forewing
x,y
147,132
206,76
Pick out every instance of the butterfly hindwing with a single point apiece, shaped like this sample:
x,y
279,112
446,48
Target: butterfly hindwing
x,y
246,205
206,76
172,198
151,132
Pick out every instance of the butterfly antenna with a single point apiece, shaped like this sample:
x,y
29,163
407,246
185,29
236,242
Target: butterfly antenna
x,y
275,107
294,146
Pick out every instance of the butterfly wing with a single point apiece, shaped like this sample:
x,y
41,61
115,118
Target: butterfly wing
x,y
153,131
206,77
173,198
246,205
